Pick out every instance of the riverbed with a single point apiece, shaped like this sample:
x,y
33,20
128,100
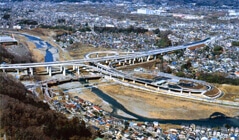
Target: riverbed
x,y
50,52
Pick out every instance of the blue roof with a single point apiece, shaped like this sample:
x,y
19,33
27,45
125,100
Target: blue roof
x,y
214,138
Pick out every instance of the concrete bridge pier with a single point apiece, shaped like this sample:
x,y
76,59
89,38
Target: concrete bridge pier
x,y
145,84
169,90
122,78
74,67
181,91
97,55
64,71
49,71
142,59
3,70
78,70
18,72
138,59
129,61
133,81
145,58
119,63
148,58
155,57
189,93
31,71
61,68
134,60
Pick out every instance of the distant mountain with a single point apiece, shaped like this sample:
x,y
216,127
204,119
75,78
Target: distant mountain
x,y
234,3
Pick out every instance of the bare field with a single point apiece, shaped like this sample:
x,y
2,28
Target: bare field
x,y
145,75
87,95
149,65
230,92
78,50
165,107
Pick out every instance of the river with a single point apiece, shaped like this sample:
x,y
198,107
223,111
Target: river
x,y
217,119
41,45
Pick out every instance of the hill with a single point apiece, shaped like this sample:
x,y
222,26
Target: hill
x,y
25,117
22,116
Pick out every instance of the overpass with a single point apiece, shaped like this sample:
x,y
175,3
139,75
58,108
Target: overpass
x,y
113,57
116,57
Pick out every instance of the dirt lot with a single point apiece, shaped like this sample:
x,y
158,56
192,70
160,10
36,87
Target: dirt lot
x,y
78,50
230,92
165,107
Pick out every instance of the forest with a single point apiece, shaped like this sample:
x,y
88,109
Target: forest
x,y
24,117
8,57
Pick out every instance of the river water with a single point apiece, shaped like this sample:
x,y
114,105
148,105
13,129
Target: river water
x,y
217,119
41,45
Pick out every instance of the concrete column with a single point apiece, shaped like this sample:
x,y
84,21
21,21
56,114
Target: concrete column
x,y
138,59
133,81
123,79
64,71
181,91
97,55
17,71
148,58
3,70
61,68
145,84
130,61
49,71
125,60
74,67
189,93
169,90
123,63
78,70
158,88
133,61
155,57
119,63
142,59
110,76
31,71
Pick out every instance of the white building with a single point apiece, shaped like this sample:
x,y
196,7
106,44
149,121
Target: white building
x,y
145,11
233,13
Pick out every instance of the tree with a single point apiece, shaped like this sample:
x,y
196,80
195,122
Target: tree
x,y
6,16
61,20
217,50
235,43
